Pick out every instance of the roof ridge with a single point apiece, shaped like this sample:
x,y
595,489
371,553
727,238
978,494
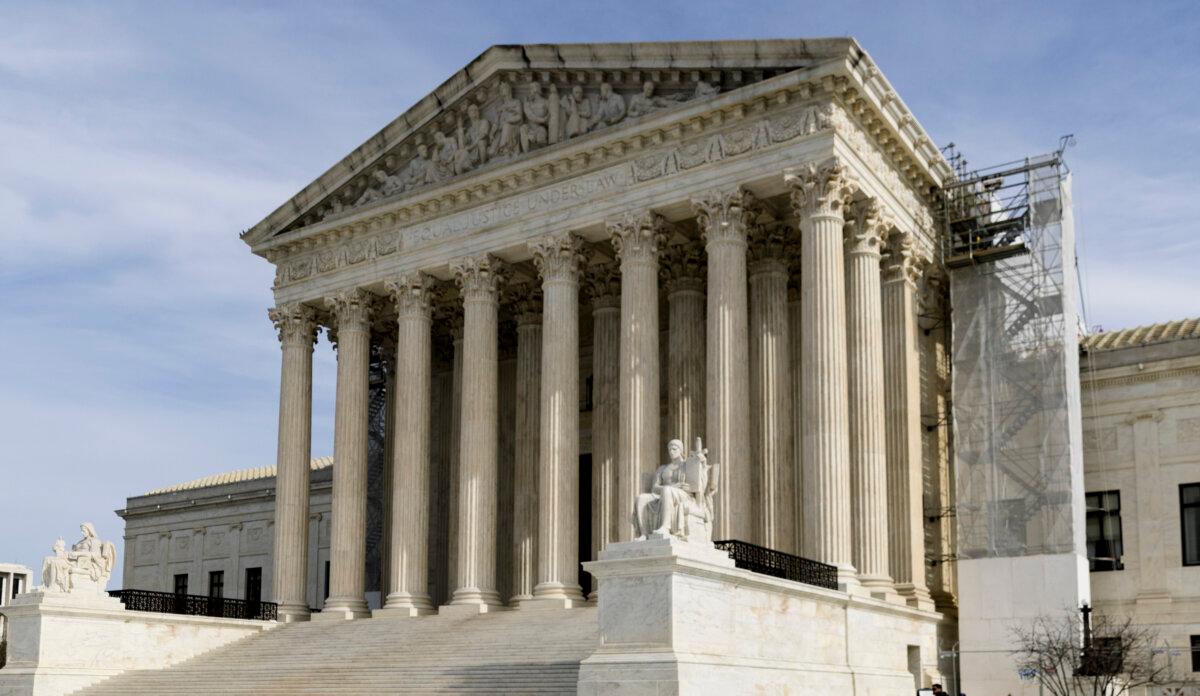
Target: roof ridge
x,y
237,476
1144,335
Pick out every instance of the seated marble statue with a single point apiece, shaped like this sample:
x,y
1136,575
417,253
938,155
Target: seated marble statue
x,y
680,501
56,569
88,566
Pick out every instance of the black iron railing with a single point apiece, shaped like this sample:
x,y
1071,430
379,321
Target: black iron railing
x,y
196,605
777,564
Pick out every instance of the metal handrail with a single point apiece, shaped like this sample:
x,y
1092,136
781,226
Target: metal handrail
x,y
777,564
196,605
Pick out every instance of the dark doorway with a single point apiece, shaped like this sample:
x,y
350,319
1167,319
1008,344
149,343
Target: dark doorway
x,y
585,520
253,591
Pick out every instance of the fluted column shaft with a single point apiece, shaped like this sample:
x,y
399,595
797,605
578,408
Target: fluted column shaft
x,y
902,387
348,537
819,193
528,439
637,240
868,464
724,218
771,406
558,259
297,332
795,340
408,572
478,280
683,279
604,288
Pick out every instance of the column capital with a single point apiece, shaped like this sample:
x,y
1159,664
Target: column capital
x,y
558,257
636,237
295,323
866,229
351,309
413,294
525,299
479,277
602,283
724,215
820,189
903,262
768,250
683,268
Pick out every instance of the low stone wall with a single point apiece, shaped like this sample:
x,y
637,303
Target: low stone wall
x,y
59,643
680,619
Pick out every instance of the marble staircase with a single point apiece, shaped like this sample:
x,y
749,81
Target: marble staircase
x,y
508,652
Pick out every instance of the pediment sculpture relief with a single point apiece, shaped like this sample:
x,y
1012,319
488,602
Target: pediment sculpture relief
x,y
680,500
518,120
85,568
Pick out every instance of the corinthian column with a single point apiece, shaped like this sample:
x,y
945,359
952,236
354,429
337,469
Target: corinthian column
x,y
773,481
818,195
604,286
478,280
902,391
408,569
682,274
558,259
637,239
527,305
868,464
348,537
297,328
724,217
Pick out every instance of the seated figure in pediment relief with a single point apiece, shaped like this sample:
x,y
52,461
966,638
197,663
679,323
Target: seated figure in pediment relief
x,y
509,114
578,112
419,170
445,151
646,101
537,119
383,184
680,501
610,109
474,138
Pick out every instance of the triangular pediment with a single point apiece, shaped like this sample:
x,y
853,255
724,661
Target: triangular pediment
x,y
514,101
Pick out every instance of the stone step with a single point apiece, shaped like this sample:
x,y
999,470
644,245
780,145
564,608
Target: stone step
x,y
503,653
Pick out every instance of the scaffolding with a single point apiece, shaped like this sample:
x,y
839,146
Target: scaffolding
x,y
1008,248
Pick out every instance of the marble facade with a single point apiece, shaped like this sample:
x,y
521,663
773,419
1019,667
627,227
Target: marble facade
x,y
584,188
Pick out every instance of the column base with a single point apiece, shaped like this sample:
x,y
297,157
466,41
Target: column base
x,y
551,603
405,604
916,597
467,601
879,587
847,580
343,609
557,594
291,613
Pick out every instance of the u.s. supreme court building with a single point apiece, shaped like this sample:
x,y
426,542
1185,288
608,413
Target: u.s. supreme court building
x,y
567,256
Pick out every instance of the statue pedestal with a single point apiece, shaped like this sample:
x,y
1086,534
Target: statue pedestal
x,y
60,642
679,618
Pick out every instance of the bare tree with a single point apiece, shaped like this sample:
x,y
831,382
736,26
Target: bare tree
x,y
1070,655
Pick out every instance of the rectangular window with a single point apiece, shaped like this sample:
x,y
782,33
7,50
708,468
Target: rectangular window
x,y
1104,530
254,585
1189,518
1196,653
326,579
181,582
216,584
16,585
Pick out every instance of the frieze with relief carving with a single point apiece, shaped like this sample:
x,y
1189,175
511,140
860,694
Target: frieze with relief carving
x,y
507,120
775,129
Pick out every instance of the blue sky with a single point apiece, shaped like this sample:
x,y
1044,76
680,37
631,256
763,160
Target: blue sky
x,y
138,139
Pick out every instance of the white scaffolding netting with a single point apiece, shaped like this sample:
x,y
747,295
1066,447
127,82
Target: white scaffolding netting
x,y
1018,461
